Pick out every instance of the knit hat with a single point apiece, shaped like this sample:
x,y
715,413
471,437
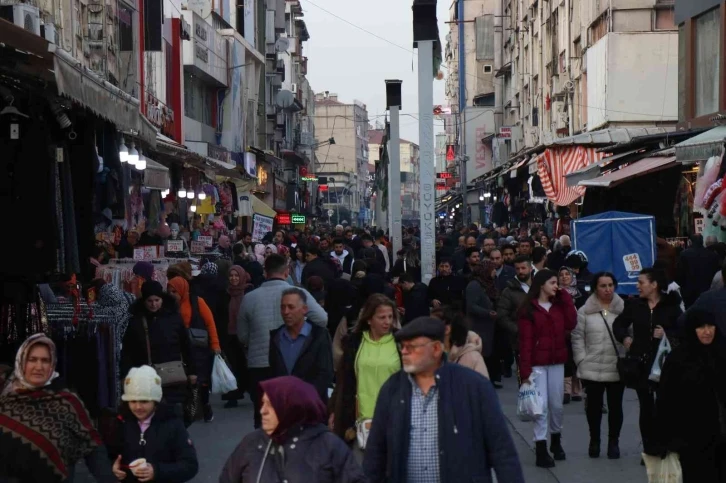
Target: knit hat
x,y
142,384
151,289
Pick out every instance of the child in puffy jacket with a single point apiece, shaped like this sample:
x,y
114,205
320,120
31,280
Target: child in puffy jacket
x,y
151,443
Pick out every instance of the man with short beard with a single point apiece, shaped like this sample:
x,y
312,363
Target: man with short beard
x,y
510,301
472,260
417,440
446,288
505,273
487,246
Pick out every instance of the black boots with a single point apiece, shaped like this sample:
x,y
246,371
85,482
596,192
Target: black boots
x,y
594,449
613,449
544,460
556,447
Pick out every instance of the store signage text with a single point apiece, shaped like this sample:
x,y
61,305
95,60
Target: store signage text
x,y
158,113
201,53
283,218
505,132
200,32
299,219
220,153
206,240
444,175
309,178
323,187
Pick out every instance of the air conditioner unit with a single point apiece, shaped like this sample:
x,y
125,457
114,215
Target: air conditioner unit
x,y
293,88
27,16
48,32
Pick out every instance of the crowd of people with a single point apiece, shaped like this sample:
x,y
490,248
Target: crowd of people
x,y
359,372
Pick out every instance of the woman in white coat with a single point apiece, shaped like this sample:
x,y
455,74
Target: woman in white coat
x,y
596,353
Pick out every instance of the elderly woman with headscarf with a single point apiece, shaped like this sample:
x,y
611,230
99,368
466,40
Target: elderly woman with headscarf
x,y
44,428
293,441
239,283
196,314
156,335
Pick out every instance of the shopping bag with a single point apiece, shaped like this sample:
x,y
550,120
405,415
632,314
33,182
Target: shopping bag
x,y
664,348
223,380
663,470
529,402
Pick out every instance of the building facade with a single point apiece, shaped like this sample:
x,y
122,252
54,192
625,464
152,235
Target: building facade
x,y
343,163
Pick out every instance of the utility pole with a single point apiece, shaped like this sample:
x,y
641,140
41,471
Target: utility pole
x,y
393,103
425,35
462,110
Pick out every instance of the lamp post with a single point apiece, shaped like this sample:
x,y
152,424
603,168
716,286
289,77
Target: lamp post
x,y
393,103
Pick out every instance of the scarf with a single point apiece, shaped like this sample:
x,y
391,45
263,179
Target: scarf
x,y
43,431
185,306
572,289
236,294
296,403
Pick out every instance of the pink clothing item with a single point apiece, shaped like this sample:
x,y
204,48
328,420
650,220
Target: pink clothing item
x,y
144,425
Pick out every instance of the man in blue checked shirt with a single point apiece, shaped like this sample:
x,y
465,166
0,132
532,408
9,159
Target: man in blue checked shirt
x,y
437,422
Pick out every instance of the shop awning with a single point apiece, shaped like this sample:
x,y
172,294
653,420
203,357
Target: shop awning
x,y
220,168
103,98
634,170
593,170
156,175
261,208
701,147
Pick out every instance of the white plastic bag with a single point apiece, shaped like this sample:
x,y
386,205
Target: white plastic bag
x,y
223,380
663,470
529,402
664,348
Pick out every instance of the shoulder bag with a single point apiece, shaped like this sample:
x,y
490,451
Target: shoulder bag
x,y
198,336
630,367
171,373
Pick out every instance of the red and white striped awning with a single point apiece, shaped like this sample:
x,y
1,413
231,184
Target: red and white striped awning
x,y
555,163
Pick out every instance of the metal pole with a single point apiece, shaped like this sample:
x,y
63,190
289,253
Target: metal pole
x,y
462,171
394,174
427,191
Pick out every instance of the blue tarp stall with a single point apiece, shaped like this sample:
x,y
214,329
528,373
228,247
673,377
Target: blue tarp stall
x,y
617,242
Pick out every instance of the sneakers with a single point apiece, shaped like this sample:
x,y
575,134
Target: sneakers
x,y
208,414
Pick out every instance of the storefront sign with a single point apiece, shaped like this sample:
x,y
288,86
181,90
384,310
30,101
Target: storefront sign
x,y
323,187
299,219
280,197
200,31
206,240
698,228
158,113
175,245
505,132
197,247
146,253
262,174
220,153
444,175
309,178
283,218
201,53
261,225
205,55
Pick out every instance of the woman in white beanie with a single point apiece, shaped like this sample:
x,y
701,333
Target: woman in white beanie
x,y
152,443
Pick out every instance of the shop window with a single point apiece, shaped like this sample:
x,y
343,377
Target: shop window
x,y
125,29
707,56
485,37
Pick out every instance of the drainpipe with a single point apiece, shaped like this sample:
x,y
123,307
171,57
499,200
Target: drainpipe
x,y
462,106
568,66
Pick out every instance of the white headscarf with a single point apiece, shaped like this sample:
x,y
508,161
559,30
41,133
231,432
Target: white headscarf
x,y
21,358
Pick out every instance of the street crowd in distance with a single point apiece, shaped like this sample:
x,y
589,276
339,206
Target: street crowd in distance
x,y
359,372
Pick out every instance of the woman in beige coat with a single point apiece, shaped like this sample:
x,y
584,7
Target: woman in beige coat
x,y
596,355
462,345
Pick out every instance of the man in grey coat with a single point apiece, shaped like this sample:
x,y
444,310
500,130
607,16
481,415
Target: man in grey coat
x,y
258,315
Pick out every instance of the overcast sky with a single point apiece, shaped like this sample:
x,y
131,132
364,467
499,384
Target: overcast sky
x,y
354,64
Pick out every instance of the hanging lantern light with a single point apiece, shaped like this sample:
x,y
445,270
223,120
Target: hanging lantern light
x,y
133,155
190,194
182,193
202,195
123,152
141,163
193,208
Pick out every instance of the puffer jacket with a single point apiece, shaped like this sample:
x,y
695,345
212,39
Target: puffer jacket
x,y
311,454
592,346
469,355
542,336
260,313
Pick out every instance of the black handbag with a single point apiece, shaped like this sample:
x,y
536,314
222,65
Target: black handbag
x,y
630,368
198,335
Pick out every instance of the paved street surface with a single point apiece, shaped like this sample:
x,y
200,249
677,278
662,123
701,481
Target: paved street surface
x,y
216,441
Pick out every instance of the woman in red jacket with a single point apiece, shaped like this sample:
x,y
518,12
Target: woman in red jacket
x,y
545,320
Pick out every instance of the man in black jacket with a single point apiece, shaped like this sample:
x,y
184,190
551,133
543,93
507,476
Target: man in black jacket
x,y
299,348
695,270
317,265
446,288
415,303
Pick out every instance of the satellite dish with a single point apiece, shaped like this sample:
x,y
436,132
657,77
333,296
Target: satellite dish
x,y
282,44
284,99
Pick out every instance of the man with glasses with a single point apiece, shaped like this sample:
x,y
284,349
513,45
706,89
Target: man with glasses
x,y
435,418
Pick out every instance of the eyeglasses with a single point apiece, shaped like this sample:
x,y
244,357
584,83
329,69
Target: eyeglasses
x,y
412,347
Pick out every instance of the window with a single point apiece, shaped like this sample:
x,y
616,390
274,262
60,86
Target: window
x,y
198,100
125,30
485,37
707,57
488,69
